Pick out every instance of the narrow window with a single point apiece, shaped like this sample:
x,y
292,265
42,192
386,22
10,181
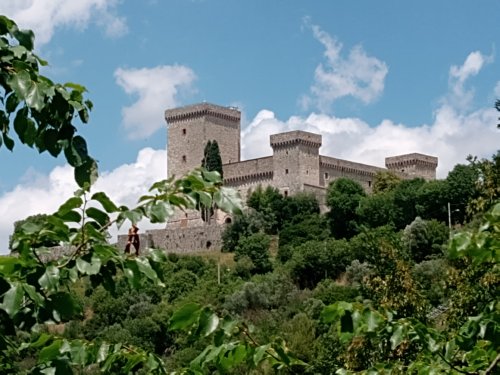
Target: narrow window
x,y
183,131
369,184
286,171
326,176
307,171
286,193
184,158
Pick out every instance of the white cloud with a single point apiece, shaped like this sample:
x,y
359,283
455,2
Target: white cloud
x,y
44,194
456,131
496,91
357,75
45,16
157,89
459,96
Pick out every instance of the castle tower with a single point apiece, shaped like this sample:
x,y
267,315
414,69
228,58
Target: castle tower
x,y
191,127
414,165
295,160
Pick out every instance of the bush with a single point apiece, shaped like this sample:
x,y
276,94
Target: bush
x,y
329,292
255,247
314,261
431,276
424,239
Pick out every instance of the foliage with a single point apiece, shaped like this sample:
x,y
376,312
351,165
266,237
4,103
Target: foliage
x,y
256,247
405,198
243,225
312,227
35,220
431,278
487,184
269,202
385,181
377,210
212,160
314,261
40,111
461,181
343,197
425,238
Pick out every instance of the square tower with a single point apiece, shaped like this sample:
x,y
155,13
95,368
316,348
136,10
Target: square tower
x,y
191,127
295,160
413,165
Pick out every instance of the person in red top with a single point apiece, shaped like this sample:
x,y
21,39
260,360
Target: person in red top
x,y
133,239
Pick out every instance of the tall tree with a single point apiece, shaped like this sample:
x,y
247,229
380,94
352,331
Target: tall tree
x,y
212,160
343,198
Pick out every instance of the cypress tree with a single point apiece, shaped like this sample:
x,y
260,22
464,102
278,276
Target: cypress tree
x,y
212,160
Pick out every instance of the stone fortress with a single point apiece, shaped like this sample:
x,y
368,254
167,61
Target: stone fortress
x,y
295,166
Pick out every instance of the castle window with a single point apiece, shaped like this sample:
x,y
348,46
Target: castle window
x,y
184,158
307,171
369,184
326,176
286,193
286,152
286,171
183,131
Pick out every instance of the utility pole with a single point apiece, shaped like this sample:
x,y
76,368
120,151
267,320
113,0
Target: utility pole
x,y
449,218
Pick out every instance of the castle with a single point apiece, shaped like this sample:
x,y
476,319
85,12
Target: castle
x,y
295,166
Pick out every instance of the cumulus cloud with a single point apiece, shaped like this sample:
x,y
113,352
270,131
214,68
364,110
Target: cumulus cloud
x,y
45,16
157,88
357,75
459,96
39,193
454,133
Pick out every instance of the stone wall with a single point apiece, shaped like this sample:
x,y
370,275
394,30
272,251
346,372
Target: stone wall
x,y
333,168
180,240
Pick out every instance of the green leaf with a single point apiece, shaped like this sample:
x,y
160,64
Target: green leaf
x,y
11,103
145,267
76,153
35,97
228,200
12,299
260,351
160,211
185,317
26,38
20,83
50,279
33,294
65,306
25,128
70,204
397,337
102,353
106,203
89,268
86,174
9,143
208,322
99,216
50,352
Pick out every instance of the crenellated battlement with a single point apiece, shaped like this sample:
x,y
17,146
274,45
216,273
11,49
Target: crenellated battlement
x,y
296,137
196,111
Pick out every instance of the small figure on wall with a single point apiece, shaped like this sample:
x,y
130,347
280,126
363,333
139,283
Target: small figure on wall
x,y
133,239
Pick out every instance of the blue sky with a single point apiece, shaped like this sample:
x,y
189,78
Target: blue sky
x,y
374,78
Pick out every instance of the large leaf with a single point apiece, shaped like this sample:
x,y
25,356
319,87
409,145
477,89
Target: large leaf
x,y
185,317
106,203
12,299
86,173
50,279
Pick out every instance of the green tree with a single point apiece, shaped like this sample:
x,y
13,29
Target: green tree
x,y
377,210
425,239
343,197
405,199
488,183
462,183
385,181
432,200
314,261
212,160
256,247
269,202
